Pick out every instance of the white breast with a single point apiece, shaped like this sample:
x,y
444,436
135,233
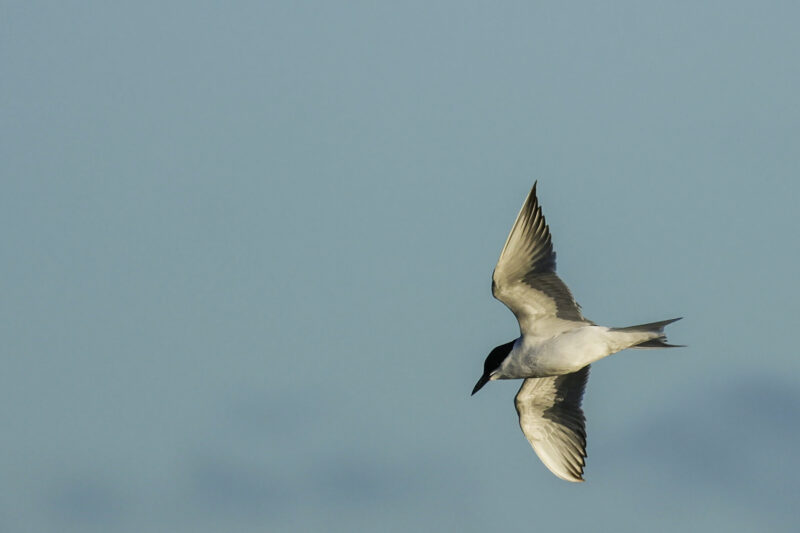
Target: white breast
x,y
564,353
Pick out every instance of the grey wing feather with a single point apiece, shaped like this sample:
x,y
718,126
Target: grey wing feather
x,y
525,276
552,420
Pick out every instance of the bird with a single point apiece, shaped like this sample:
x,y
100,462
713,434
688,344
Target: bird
x,y
556,346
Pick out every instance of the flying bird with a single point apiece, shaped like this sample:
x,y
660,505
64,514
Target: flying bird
x,y
555,347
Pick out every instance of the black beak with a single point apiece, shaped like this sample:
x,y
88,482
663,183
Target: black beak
x,y
481,382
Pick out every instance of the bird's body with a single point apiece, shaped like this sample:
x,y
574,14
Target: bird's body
x,y
555,347
567,349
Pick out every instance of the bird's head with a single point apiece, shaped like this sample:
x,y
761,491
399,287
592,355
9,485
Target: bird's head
x,y
492,363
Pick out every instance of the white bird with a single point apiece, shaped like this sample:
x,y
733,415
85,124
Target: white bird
x,y
555,347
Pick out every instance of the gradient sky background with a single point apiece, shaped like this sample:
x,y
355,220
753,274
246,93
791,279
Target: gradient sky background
x,y
247,251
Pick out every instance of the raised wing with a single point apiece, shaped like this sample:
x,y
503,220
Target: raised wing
x,y
552,420
525,276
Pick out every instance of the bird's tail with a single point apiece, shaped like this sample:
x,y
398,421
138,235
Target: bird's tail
x,y
653,327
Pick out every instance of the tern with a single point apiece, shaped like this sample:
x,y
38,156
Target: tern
x,y
555,347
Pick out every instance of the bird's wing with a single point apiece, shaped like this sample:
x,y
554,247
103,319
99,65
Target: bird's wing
x,y
551,418
525,276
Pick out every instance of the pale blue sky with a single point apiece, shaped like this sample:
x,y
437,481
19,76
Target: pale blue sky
x,y
247,251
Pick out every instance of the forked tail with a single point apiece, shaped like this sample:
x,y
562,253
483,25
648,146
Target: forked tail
x,y
653,327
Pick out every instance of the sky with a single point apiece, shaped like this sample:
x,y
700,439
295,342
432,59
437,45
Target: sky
x,y
247,247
